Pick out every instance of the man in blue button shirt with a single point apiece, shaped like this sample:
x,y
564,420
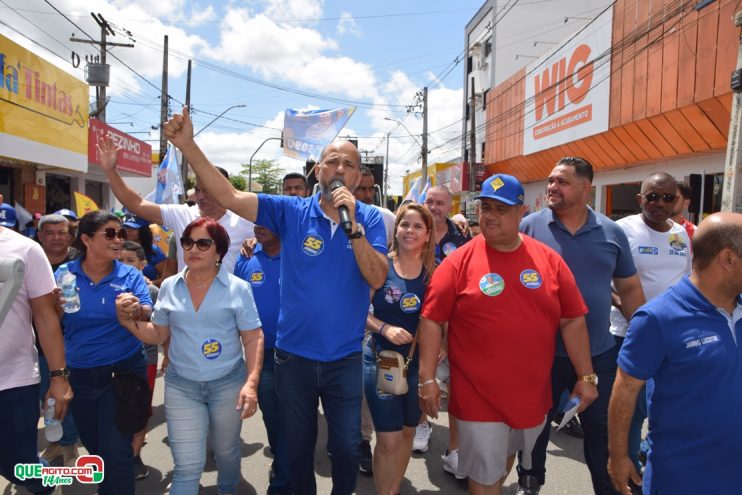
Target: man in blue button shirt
x,y
326,277
685,344
598,253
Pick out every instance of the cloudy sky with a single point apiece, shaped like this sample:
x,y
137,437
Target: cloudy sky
x,y
270,55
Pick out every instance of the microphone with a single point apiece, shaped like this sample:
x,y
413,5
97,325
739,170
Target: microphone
x,y
343,212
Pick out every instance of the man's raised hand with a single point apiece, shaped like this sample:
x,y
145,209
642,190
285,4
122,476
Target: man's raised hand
x,y
107,152
179,129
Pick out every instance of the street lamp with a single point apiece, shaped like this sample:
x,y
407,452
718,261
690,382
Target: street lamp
x,y
249,167
218,117
184,165
424,170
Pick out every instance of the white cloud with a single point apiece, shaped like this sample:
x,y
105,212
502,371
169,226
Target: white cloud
x,y
202,16
294,10
347,24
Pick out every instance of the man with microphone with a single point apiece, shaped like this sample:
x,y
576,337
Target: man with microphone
x,y
333,253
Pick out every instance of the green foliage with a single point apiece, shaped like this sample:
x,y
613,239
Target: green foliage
x,y
267,173
238,182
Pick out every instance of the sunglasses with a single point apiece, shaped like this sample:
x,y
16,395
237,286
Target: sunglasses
x,y
202,244
653,197
110,233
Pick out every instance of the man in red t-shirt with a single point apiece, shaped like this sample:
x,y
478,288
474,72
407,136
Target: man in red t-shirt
x,y
505,295
685,194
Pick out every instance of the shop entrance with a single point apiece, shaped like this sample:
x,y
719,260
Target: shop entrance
x,y
57,192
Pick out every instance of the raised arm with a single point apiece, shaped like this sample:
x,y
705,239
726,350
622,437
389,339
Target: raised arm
x,y
108,153
179,131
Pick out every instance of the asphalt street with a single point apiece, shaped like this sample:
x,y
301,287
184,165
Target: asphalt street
x,y
566,471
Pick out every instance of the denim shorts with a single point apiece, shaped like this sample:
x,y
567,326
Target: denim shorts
x,y
390,412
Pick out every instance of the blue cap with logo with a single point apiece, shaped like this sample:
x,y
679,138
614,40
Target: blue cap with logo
x,y
503,187
69,214
133,222
7,215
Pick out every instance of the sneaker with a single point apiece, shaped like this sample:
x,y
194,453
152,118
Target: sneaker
x,y
573,428
366,465
451,463
422,437
528,485
70,454
140,470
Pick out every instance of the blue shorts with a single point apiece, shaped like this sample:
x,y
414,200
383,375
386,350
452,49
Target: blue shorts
x,y
390,412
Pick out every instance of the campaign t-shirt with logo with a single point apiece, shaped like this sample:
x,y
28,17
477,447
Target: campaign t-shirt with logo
x,y
661,259
324,297
263,273
205,345
398,303
503,310
691,353
93,336
450,242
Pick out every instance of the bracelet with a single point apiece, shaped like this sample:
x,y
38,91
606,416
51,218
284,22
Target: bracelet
x,y
381,329
426,382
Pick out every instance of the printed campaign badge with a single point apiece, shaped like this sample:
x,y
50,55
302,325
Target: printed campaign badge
x,y
409,303
497,184
676,242
392,294
531,279
492,284
211,349
313,245
449,248
257,278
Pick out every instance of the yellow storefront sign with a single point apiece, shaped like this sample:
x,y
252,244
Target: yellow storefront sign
x,y
43,110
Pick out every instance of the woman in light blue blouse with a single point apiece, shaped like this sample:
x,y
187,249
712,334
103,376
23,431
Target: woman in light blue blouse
x,y
209,390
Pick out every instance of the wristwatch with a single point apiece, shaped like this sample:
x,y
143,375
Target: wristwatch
x,y
64,372
357,234
591,378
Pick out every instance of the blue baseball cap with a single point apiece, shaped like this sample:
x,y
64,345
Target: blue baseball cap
x,y
7,215
503,187
69,214
133,222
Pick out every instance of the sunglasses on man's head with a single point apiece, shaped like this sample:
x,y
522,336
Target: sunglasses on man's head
x,y
110,233
202,244
653,197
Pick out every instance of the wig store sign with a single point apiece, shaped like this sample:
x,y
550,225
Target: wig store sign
x,y
568,89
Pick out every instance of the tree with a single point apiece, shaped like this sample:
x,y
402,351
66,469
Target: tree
x,y
267,173
238,182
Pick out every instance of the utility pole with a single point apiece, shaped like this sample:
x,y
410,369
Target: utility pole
x,y
164,105
473,140
731,196
184,165
386,172
100,85
424,170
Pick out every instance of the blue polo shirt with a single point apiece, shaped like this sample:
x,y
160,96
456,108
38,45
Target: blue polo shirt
x,y
596,253
324,297
263,273
205,345
689,351
93,336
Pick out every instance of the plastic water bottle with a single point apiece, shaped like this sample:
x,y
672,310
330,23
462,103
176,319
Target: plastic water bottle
x,y
67,281
53,431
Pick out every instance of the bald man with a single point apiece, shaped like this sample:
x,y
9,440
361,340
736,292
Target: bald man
x,y
326,277
661,252
685,345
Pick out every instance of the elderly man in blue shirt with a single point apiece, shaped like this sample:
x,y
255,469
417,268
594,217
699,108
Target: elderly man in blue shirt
x,y
326,274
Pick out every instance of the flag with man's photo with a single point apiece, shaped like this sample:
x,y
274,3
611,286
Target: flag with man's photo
x,y
169,184
306,133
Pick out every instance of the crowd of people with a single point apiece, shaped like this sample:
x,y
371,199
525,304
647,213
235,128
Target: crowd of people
x,y
285,302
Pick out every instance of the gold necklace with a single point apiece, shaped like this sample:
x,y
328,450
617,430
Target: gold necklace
x,y
197,286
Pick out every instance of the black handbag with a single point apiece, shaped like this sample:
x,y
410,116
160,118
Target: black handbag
x,y
132,401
